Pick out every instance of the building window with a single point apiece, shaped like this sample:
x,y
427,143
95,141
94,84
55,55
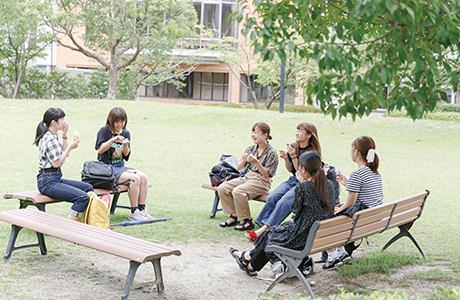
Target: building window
x,y
197,85
214,14
262,92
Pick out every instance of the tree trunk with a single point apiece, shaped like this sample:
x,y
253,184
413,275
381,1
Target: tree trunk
x,y
5,89
18,83
112,93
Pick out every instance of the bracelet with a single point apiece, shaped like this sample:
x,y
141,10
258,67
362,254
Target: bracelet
x,y
64,137
293,157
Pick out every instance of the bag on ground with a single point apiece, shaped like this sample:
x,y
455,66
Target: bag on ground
x,y
98,174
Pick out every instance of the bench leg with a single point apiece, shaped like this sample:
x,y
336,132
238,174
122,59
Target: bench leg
x,y
114,203
404,231
25,203
215,204
292,270
13,236
158,275
129,280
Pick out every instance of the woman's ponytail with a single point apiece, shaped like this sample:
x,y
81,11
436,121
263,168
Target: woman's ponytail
x,y
311,161
366,147
51,114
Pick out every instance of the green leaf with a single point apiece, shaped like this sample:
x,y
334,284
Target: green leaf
x,y
339,30
391,5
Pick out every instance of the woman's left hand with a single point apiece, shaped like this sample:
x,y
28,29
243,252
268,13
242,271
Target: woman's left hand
x,y
299,176
252,158
127,142
65,129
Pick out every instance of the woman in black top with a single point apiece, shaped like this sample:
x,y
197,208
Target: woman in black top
x,y
314,200
113,146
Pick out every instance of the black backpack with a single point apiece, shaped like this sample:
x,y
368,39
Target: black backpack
x,y
226,170
98,174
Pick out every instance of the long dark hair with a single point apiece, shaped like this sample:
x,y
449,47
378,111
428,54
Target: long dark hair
x,y
311,161
313,142
264,128
363,144
51,114
116,114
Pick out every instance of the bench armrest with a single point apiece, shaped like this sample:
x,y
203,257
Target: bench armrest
x,y
283,250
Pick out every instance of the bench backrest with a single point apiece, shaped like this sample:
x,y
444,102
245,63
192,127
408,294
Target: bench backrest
x,y
341,230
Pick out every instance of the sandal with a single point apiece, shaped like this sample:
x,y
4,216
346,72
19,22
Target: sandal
x,y
246,225
251,235
226,224
251,272
241,261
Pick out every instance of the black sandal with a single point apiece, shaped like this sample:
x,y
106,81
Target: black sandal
x,y
241,261
246,225
251,272
226,224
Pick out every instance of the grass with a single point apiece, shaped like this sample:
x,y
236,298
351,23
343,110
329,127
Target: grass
x,y
177,145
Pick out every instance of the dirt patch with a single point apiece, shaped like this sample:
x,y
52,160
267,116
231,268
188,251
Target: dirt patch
x,y
204,271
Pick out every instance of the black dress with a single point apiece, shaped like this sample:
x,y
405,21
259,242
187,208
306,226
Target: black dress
x,y
307,209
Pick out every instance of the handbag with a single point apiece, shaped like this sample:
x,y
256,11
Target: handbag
x,y
98,174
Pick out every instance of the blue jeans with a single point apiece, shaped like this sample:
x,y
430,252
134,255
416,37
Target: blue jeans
x,y
52,185
278,205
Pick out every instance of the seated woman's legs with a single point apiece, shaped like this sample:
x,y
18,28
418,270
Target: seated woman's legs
x,y
272,199
282,209
241,195
137,194
225,194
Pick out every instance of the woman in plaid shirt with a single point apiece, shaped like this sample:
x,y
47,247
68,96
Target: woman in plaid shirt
x,y
51,156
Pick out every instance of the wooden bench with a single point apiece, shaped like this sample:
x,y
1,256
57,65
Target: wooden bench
x,y
208,185
40,201
341,230
137,251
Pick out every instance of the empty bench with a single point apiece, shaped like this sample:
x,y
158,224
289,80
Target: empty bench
x,y
40,201
338,231
135,250
209,186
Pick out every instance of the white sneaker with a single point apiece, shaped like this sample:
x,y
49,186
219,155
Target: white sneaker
x,y
146,214
137,215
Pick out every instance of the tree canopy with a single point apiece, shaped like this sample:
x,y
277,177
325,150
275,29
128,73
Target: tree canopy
x,y
23,37
392,54
121,33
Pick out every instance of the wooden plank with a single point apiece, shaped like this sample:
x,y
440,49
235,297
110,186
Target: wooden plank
x,y
97,238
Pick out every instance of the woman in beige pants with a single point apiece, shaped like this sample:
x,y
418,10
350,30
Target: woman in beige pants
x,y
262,161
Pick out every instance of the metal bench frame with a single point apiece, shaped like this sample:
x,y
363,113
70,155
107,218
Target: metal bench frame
x,y
137,251
341,230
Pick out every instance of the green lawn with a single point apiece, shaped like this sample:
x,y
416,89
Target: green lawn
x,y
177,145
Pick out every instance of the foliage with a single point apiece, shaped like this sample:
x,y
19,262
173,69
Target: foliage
x,y
231,105
292,108
120,34
387,53
23,37
446,107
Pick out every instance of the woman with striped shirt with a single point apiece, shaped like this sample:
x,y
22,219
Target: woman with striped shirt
x,y
364,185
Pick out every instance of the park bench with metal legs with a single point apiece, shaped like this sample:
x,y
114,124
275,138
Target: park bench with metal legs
x,y
215,205
40,201
135,250
341,230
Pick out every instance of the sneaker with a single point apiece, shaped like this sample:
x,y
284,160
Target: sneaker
x,y
345,258
334,264
146,214
137,216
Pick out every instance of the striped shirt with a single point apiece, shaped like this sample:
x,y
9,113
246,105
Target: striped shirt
x,y
368,185
50,150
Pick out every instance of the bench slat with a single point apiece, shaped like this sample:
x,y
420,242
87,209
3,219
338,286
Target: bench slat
x,y
100,239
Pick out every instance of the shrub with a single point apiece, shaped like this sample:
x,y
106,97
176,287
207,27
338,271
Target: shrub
x,y
289,108
232,105
446,107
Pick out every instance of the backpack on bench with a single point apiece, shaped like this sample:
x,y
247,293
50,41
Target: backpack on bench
x,y
226,170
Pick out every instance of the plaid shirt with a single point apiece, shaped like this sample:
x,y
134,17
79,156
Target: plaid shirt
x,y
50,149
268,159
